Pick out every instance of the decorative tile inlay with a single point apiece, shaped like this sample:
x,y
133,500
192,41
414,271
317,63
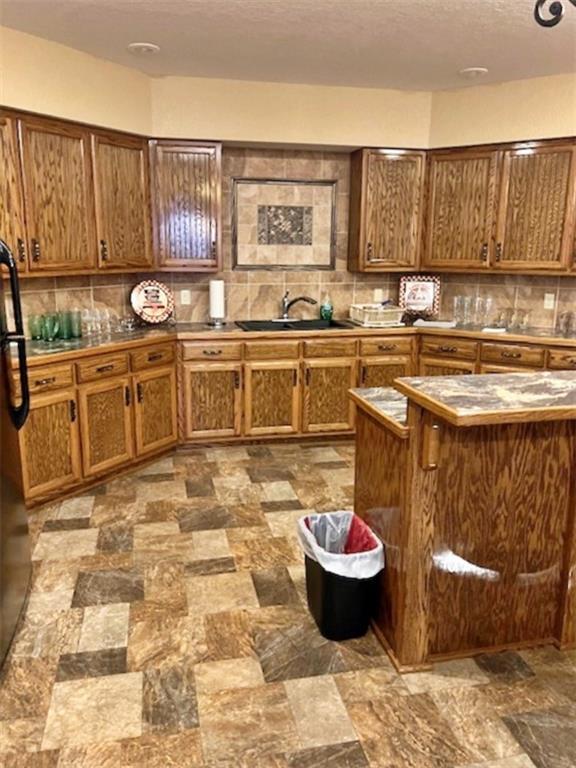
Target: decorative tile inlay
x,y
285,224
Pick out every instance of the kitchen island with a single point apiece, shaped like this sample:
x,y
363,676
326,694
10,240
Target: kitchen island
x,y
470,482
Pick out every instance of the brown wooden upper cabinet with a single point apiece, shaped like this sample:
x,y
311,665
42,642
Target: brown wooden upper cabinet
x,y
122,201
462,190
11,203
386,199
537,206
58,195
186,179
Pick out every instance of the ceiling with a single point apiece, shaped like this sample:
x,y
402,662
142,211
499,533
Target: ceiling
x,y
406,44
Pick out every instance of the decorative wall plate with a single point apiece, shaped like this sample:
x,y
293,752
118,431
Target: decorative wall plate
x,y
420,294
152,301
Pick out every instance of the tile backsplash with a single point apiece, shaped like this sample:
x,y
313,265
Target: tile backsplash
x,y
257,294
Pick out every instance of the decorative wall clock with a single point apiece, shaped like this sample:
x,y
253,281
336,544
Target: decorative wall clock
x,y
152,301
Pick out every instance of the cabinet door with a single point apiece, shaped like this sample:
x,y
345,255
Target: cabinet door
x,y
106,424
272,398
461,209
50,445
212,399
186,194
327,404
381,371
536,209
122,201
436,366
155,410
58,196
386,210
11,203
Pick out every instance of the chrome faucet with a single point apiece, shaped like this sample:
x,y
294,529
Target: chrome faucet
x,y
288,303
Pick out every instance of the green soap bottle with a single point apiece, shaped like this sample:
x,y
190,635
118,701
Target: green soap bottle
x,y
326,309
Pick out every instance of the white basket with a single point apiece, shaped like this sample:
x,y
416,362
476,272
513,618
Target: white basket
x,y
375,315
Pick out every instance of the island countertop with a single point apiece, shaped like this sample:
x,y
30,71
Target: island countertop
x,y
494,398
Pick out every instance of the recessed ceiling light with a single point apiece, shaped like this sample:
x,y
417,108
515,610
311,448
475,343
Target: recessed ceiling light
x,y
471,73
143,49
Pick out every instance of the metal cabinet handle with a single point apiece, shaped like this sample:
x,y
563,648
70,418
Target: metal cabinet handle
x,y
139,392
499,251
213,249
211,352
484,252
569,359
511,355
308,376
154,356
387,347
447,349
369,250
43,382
21,248
103,250
72,410
236,380
127,395
104,368
363,374
35,249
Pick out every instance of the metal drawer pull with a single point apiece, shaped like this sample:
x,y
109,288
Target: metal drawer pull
x,y
387,347
154,356
104,368
512,355
569,359
447,349
211,352
43,382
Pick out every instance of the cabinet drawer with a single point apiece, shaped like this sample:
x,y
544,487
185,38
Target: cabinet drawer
x,y
459,348
562,359
271,350
45,379
202,351
386,345
101,367
516,355
149,357
330,348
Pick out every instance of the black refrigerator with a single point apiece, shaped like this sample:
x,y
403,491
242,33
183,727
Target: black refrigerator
x,y
15,560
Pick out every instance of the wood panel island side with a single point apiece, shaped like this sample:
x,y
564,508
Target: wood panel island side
x,y
470,482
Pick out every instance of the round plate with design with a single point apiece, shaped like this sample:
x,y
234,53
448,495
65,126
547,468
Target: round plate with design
x,y
152,301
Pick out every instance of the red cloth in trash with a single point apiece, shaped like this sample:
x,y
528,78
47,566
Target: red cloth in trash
x,y
360,537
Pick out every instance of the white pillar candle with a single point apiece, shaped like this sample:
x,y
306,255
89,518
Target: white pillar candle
x,y
217,302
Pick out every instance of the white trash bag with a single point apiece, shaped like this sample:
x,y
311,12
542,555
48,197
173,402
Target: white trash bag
x,y
332,538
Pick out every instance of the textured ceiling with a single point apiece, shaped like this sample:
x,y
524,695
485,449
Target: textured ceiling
x,y
407,44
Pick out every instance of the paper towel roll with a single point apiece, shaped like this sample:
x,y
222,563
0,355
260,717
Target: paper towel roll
x,y
217,302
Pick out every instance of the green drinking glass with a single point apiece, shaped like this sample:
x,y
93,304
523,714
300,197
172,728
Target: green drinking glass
x,y
50,330
64,325
36,326
76,324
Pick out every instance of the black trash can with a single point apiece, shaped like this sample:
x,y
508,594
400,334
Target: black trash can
x,y
342,585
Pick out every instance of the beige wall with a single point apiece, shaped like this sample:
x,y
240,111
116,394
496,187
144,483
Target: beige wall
x,y
46,77
543,107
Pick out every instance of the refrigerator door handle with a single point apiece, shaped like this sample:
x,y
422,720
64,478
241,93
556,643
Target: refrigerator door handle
x,y
18,413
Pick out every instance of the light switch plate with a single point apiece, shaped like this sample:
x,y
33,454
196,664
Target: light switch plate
x,y
549,300
185,297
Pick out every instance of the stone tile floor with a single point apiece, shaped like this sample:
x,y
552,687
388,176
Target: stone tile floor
x,y
167,626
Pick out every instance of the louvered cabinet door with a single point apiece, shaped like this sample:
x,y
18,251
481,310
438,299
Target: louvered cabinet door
x,y
461,209
212,399
155,410
536,216
327,405
386,210
122,201
59,196
272,398
11,202
106,424
50,445
186,212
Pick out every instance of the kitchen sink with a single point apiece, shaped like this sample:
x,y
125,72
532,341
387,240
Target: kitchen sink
x,y
292,325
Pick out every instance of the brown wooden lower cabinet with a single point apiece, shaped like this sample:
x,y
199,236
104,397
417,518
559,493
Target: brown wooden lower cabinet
x,y
212,399
272,398
50,444
155,410
381,371
435,366
106,424
326,404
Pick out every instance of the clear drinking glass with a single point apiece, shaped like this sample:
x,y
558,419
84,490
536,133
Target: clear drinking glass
x,y
459,310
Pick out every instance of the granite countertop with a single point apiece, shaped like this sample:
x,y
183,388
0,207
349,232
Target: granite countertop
x,y
495,399
386,404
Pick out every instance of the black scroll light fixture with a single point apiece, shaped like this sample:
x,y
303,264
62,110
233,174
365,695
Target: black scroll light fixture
x,y
548,14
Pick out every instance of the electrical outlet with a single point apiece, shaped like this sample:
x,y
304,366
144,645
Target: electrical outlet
x,y
185,297
549,300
